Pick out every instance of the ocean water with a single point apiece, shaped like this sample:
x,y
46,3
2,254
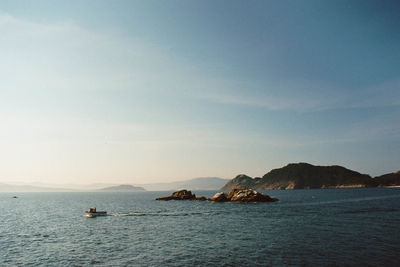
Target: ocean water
x,y
353,227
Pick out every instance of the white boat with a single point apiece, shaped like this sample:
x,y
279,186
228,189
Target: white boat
x,y
92,212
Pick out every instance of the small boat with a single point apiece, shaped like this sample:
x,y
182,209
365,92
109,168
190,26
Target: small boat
x,y
14,197
92,212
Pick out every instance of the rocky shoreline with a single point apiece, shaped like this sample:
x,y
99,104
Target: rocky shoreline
x,y
236,195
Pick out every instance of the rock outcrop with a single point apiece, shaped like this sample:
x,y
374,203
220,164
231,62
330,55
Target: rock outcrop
x,y
236,195
182,195
219,197
242,195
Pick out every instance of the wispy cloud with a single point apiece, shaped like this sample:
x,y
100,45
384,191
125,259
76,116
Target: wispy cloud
x,y
66,56
304,96
65,66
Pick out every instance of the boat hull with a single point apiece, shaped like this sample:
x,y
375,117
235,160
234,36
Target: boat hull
x,y
95,214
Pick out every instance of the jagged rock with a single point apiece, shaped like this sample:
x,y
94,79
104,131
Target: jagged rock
x,y
242,195
219,197
182,195
236,195
248,195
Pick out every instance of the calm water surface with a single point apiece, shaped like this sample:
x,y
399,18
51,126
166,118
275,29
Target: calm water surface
x,y
355,227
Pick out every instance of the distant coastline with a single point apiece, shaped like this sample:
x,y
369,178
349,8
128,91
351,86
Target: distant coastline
x,y
291,176
202,183
122,188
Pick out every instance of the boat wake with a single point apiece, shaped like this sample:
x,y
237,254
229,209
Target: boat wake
x,y
159,214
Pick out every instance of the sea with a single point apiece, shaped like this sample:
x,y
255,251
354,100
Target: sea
x,y
327,227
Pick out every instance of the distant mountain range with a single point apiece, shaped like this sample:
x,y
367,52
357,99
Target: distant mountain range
x,y
292,176
203,183
307,176
206,183
123,188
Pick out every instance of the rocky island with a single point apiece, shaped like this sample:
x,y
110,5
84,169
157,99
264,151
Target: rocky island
x,y
307,176
236,195
242,195
182,195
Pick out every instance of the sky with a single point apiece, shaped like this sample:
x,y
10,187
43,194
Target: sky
x,y
158,91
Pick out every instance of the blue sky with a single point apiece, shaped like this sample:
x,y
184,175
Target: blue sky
x,y
147,91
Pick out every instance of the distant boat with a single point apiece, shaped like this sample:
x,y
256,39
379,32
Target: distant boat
x,y
14,197
92,212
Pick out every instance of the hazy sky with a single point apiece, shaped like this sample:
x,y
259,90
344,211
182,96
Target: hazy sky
x,y
148,91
